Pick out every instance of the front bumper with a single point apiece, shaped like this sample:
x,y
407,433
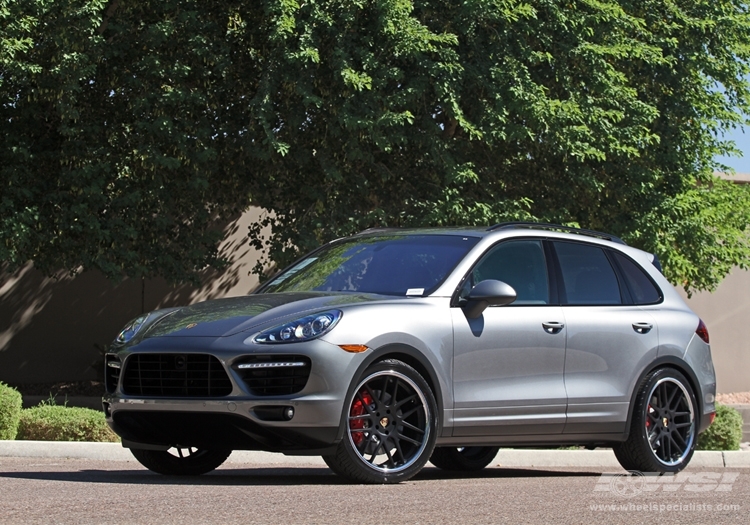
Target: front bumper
x,y
241,420
164,426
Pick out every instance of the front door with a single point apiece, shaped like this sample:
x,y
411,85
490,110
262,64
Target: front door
x,y
509,363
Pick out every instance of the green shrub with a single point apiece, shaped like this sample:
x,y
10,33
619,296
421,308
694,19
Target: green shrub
x,y
48,422
725,433
10,411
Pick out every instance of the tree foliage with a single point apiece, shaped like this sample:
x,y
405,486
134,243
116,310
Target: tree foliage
x,y
129,127
114,126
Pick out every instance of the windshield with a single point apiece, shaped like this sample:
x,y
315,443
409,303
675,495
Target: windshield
x,y
387,264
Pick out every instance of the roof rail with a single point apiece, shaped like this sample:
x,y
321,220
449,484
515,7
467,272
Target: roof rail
x,y
379,229
554,227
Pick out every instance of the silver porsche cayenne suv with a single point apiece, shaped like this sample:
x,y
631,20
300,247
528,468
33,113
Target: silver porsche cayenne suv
x,y
395,347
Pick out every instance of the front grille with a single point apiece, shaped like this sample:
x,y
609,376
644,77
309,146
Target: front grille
x,y
112,366
277,375
175,375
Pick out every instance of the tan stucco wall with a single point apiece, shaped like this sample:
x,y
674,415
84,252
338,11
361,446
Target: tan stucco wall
x,y
726,313
54,329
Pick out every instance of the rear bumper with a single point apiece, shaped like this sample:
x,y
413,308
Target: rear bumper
x,y
698,357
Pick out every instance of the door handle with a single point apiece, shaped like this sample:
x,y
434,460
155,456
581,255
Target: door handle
x,y
553,327
642,328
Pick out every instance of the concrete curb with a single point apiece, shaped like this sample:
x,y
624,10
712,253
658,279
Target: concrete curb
x,y
515,458
116,452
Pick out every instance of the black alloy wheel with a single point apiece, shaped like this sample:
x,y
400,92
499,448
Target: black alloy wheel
x,y
663,434
390,426
463,459
184,461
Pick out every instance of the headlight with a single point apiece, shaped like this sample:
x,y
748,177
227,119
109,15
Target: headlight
x,y
303,329
131,329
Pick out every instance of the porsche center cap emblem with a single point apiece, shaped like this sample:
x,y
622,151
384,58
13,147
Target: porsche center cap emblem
x,y
665,422
191,325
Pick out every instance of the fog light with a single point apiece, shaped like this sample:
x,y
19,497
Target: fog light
x,y
273,413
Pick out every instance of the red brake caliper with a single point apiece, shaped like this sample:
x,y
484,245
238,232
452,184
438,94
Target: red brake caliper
x,y
358,409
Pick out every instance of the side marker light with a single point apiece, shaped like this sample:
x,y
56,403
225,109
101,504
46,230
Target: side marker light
x,y
354,349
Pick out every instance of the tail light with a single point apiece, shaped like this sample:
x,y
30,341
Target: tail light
x,y
702,331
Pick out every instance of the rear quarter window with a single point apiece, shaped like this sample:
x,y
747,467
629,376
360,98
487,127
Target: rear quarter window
x,y
642,288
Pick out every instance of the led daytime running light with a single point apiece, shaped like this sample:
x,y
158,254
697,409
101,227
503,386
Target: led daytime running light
x,y
272,364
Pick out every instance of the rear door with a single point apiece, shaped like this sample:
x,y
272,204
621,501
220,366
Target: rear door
x,y
609,337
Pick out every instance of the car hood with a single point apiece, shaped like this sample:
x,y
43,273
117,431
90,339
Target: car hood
x,y
225,317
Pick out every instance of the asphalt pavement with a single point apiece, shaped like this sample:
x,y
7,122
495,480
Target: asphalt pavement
x,y
49,491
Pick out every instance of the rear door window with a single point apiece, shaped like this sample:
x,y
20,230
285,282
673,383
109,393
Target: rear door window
x,y
588,277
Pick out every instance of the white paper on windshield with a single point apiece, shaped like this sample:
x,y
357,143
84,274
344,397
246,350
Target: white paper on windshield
x,y
415,291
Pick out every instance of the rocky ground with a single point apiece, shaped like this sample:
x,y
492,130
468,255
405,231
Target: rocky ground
x,y
738,398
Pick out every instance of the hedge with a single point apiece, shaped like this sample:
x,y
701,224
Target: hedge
x,y
10,411
48,422
725,433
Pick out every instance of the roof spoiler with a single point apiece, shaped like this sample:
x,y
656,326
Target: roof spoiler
x,y
655,261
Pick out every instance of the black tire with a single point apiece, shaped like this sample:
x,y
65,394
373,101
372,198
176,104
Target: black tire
x,y
390,426
463,459
183,462
664,429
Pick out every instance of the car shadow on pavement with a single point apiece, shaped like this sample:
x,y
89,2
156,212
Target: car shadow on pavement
x,y
432,473
270,476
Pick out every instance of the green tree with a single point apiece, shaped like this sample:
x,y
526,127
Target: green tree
x,y
128,128
116,133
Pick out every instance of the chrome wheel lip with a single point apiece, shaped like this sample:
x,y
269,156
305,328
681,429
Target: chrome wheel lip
x,y
425,407
691,428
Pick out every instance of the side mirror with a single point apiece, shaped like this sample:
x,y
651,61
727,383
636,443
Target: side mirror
x,y
488,293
